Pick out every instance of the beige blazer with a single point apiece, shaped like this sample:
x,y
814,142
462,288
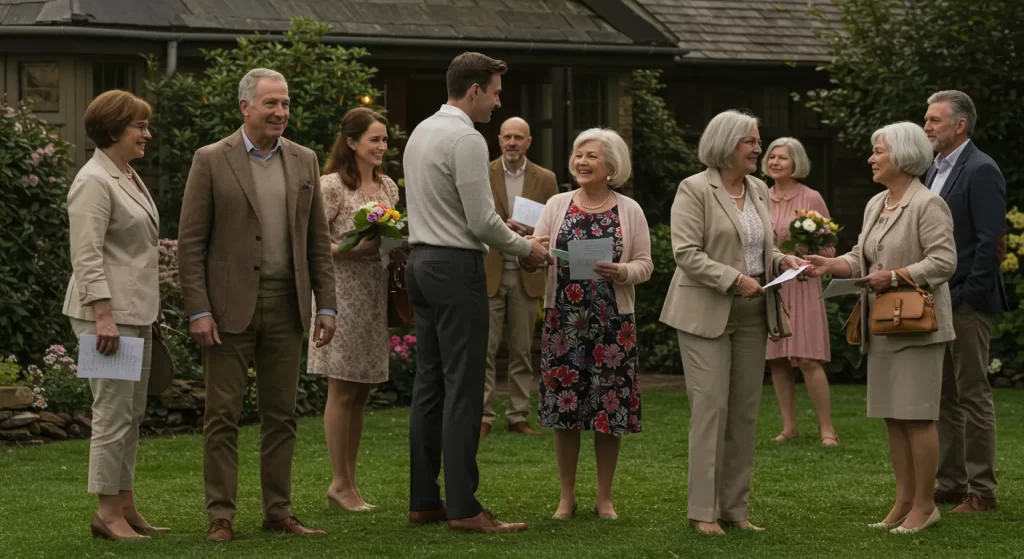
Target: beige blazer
x,y
707,244
219,250
538,185
114,232
636,246
918,236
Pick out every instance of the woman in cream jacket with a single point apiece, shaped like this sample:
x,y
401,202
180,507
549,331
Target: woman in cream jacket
x,y
724,251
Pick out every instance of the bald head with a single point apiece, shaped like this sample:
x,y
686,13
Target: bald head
x,y
514,140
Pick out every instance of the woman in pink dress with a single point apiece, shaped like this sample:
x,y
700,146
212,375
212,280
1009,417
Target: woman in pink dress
x,y
357,358
786,162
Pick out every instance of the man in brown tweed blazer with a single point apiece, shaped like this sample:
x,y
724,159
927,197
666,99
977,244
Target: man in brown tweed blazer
x,y
253,248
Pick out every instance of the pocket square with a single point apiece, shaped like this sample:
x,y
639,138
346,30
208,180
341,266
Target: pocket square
x,y
306,185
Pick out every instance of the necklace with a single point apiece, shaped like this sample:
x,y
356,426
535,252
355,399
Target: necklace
x,y
743,193
889,208
128,173
586,207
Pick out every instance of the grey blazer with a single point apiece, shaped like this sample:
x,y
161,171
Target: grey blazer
x,y
919,237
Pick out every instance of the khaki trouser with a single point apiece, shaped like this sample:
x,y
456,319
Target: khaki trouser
x,y
273,341
118,407
967,417
521,309
724,376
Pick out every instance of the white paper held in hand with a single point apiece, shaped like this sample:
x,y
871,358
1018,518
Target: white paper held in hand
x,y
788,275
584,255
126,364
526,211
839,287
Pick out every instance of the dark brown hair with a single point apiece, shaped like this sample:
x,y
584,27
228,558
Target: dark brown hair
x,y
471,68
109,114
342,159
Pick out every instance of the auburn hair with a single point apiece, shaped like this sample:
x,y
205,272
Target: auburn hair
x,y
342,159
110,113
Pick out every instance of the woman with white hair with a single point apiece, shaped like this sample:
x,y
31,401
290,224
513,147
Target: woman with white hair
x,y
907,235
589,364
786,163
724,252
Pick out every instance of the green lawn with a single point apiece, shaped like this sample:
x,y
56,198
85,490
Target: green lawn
x,y
814,502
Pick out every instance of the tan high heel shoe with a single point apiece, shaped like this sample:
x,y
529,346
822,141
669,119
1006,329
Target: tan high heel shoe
x,y
100,530
883,525
933,519
333,503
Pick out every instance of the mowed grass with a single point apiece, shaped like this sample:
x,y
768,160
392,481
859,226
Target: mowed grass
x,y
814,502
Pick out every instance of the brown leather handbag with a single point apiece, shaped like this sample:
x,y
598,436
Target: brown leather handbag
x,y
899,311
400,312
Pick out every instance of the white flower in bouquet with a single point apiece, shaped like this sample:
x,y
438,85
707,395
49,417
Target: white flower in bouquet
x,y
809,225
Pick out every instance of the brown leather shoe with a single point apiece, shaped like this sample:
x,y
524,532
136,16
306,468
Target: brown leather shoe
x,y
485,429
523,428
429,516
485,522
290,525
943,497
220,531
974,503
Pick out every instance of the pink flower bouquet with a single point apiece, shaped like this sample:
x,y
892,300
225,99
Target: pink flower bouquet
x,y
810,233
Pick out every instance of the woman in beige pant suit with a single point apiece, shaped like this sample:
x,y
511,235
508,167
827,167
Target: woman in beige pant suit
x,y
114,291
907,230
724,250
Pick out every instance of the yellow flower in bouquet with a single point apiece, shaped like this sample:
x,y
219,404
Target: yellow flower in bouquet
x,y
371,219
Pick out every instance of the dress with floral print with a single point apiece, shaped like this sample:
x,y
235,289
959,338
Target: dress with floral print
x,y
589,364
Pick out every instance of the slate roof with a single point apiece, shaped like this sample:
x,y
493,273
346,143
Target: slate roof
x,y
559,21
745,30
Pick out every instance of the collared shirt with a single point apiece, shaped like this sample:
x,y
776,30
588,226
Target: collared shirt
x,y
254,151
943,165
516,172
453,110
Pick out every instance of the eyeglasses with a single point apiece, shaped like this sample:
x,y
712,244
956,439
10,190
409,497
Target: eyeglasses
x,y
143,126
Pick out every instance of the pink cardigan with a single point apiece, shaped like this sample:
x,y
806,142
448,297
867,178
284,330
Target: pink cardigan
x,y
636,246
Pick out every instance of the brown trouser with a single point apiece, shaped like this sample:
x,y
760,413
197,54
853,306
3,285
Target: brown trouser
x,y
521,310
724,376
274,341
967,416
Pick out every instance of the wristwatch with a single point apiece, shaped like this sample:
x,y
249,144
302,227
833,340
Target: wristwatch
x,y
893,282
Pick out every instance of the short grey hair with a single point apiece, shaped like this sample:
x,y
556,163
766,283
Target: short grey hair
x,y
247,85
721,136
961,106
615,150
797,153
909,148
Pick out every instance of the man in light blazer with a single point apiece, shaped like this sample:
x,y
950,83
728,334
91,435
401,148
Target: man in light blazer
x,y
253,246
973,187
513,293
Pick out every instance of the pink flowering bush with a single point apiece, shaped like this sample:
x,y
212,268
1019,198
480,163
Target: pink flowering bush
x,y
34,267
55,383
402,353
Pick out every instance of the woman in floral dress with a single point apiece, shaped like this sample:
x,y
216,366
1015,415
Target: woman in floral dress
x,y
589,363
357,358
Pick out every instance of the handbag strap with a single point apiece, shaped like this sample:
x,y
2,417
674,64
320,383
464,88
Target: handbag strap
x,y
910,282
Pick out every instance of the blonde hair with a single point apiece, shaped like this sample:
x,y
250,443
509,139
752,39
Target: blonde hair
x,y
909,148
797,153
615,152
721,136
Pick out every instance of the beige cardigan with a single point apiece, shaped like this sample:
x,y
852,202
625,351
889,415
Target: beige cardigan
x,y
636,246
918,236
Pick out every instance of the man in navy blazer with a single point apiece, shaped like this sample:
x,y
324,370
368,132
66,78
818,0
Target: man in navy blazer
x,y
973,187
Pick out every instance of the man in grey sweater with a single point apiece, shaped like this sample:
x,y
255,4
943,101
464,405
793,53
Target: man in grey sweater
x,y
452,223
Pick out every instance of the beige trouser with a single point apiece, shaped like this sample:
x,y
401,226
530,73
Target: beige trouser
x,y
118,407
521,309
724,376
273,341
967,417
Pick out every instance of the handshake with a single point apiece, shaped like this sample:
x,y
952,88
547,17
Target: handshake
x,y
539,256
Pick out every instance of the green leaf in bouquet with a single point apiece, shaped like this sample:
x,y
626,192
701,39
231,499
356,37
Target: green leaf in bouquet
x,y
389,231
788,247
360,220
350,241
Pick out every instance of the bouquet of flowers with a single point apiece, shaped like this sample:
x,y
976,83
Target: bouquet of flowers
x,y
374,219
809,233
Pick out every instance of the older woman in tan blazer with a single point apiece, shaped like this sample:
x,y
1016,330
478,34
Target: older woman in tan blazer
x,y
907,230
724,252
113,292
